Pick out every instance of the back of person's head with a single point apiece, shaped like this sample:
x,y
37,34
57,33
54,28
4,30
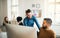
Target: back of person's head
x,y
19,18
6,19
48,20
28,11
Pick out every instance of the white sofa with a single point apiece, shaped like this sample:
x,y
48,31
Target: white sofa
x,y
16,31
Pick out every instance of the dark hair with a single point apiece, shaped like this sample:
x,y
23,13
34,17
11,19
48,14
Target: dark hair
x,y
19,19
28,11
5,19
48,20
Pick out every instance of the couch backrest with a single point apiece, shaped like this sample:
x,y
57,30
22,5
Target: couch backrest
x,y
16,31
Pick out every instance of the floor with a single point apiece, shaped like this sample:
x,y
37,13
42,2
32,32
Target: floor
x,y
3,35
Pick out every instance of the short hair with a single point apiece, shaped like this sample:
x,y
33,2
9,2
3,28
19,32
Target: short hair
x,y
19,19
28,11
48,20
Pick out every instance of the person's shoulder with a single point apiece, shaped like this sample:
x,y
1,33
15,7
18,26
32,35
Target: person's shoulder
x,y
25,18
33,16
52,32
40,28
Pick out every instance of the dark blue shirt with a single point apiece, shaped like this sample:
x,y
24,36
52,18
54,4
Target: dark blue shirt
x,y
30,22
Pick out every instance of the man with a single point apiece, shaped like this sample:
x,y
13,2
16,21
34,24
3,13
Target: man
x,y
46,31
30,19
19,19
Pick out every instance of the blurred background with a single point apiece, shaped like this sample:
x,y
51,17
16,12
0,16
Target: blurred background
x,y
40,8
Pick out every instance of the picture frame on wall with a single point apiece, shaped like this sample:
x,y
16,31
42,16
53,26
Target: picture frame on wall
x,y
36,10
37,13
37,5
33,5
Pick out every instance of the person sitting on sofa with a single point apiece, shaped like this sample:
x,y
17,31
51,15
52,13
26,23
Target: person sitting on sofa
x,y
6,21
45,30
19,19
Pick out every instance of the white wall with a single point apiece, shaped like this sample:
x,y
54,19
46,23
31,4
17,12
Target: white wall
x,y
27,4
23,4
0,10
3,10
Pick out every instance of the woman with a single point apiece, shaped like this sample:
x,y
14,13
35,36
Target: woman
x,y
5,21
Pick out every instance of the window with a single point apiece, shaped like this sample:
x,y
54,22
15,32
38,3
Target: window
x,y
57,13
13,9
54,9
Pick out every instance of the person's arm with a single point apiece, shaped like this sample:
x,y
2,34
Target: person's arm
x,y
53,35
25,22
36,22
